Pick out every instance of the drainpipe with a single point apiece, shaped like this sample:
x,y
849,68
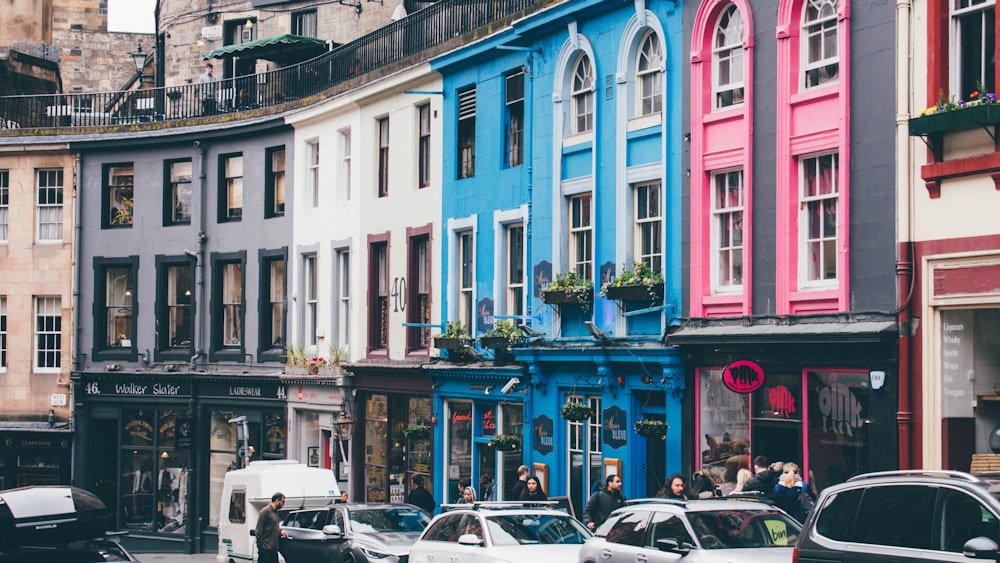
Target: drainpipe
x,y
904,231
201,317
77,251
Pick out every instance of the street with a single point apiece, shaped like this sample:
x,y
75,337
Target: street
x,y
170,557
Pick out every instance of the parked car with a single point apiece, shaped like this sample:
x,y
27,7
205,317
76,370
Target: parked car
x,y
900,516
713,530
50,515
352,533
97,550
500,532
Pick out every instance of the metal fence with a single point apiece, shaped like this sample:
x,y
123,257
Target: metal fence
x,y
418,32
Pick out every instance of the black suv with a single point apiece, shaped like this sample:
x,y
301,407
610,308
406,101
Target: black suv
x,y
900,516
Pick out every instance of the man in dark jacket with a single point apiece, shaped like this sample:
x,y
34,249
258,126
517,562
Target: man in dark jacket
x,y
519,485
603,502
268,531
763,480
420,496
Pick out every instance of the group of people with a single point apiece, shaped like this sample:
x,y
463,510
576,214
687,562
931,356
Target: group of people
x,y
527,488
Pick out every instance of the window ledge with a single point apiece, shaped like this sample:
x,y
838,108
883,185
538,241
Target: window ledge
x,y
934,174
578,139
644,122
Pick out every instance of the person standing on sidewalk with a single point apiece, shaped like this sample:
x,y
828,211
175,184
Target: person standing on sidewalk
x,y
268,531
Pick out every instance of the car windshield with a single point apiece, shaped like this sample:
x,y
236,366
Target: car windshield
x,y
377,520
736,529
527,529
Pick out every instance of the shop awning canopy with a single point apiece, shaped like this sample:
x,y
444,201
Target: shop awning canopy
x,y
282,49
802,333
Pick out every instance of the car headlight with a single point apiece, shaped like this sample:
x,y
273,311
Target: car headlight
x,y
374,553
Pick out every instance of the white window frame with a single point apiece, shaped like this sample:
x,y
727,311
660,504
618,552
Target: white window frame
x,y
234,186
824,26
580,242
465,242
648,224
466,140
514,268
312,170
382,125
118,291
232,305
424,145
514,106
730,53
3,334
724,217
180,190
175,309
649,72
964,10
582,95
826,244
277,181
49,214
343,313
345,163
4,205
310,281
47,309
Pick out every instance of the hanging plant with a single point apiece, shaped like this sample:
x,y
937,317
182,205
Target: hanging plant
x,y
576,411
416,432
652,428
506,442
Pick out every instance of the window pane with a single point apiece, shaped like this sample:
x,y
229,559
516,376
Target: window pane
x,y
118,299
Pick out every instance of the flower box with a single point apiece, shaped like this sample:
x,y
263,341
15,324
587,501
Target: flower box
x,y
635,293
447,343
954,120
505,442
496,342
563,297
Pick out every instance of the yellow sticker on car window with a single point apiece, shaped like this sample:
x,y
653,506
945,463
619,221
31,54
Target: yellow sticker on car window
x,y
778,531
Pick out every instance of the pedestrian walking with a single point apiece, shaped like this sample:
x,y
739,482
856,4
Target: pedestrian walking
x,y
742,476
268,531
519,485
603,502
419,496
764,479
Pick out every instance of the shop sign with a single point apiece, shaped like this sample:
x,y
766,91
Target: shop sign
x,y
489,422
138,388
542,439
615,427
183,431
256,390
139,430
31,440
743,376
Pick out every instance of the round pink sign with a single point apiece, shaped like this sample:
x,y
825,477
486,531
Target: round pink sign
x,y
743,376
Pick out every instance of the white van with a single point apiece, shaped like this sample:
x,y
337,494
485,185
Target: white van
x,y
246,491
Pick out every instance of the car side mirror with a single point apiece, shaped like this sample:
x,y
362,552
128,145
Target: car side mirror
x,y
470,539
253,532
332,530
672,546
981,548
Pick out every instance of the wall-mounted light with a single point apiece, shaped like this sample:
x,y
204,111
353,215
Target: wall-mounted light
x,y
877,378
139,58
248,24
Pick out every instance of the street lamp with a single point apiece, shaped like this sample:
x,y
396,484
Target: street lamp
x,y
139,58
344,426
242,436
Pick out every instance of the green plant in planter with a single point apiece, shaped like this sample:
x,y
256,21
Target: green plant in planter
x,y
417,432
506,442
337,355
569,285
504,328
652,428
575,411
454,336
295,355
640,276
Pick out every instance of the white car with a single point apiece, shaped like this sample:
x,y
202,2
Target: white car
x,y
499,532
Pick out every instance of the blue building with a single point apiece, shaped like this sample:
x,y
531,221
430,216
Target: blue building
x,y
564,162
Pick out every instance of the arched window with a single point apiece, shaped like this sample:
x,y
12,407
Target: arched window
x,y
583,95
821,63
649,76
727,55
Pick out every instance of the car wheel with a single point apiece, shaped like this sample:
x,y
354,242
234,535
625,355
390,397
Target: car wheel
x,y
349,558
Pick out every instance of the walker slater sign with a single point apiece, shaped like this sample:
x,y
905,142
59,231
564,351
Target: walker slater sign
x,y
138,388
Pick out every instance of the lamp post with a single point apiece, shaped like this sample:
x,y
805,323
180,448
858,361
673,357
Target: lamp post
x,y
139,58
243,437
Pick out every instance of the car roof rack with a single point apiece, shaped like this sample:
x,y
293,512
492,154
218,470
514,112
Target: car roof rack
x,y
657,500
500,505
958,475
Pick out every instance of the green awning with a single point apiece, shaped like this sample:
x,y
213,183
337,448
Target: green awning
x,y
282,49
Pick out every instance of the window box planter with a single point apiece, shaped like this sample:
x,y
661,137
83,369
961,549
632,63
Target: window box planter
x,y
564,297
954,120
651,294
497,342
448,343
506,442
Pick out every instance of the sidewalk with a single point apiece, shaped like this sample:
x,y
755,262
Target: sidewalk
x,y
170,557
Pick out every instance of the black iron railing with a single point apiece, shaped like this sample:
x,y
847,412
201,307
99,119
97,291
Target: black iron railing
x,y
400,40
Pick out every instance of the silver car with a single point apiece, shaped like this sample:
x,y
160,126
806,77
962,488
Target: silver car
x,y
715,530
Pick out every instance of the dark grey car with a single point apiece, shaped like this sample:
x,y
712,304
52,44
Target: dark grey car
x,y
352,533
904,516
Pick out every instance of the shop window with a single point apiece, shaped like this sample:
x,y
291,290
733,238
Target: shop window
x,y
776,418
838,425
376,421
459,447
724,418
584,453
154,483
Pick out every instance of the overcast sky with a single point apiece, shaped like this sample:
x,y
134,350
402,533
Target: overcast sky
x,y
134,16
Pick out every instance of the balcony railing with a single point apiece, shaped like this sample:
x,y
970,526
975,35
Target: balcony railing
x,y
398,41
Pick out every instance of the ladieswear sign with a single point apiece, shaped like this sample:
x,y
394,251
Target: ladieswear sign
x,y
743,376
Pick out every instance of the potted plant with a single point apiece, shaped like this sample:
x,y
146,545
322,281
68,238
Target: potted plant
x,y
417,432
295,359
454,337
575,411
503,334
569,288
640,283
979,109
506,442
651,428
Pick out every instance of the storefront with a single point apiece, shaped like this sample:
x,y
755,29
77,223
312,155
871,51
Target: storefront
x,y
314,406
35,456
480,430
156,447
822,395
384,455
